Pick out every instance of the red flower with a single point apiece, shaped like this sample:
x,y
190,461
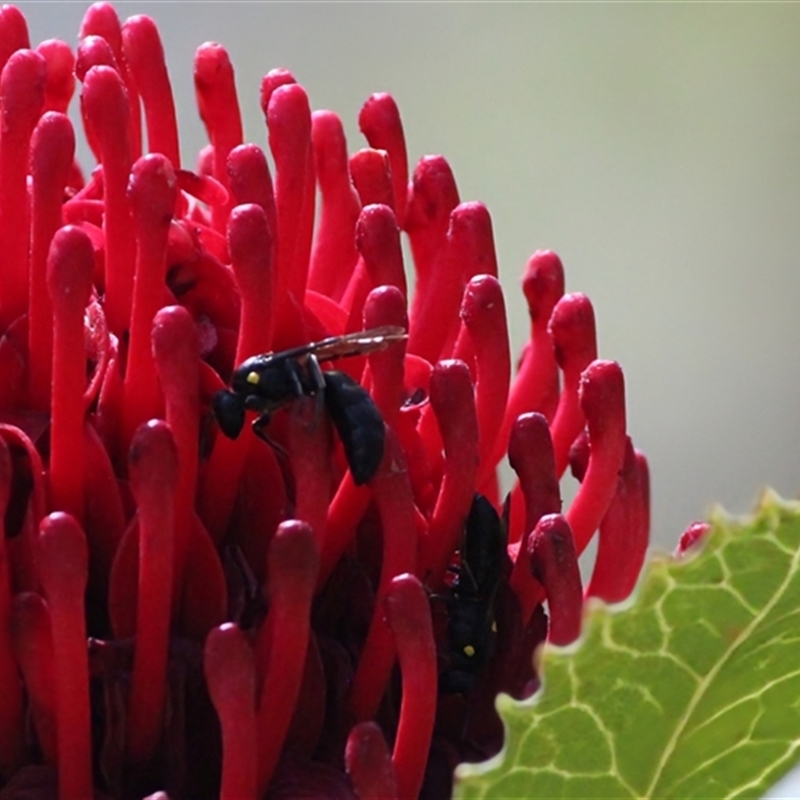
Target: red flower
x,y
329,612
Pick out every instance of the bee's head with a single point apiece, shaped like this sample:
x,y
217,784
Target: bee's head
x,y
228,409
247,377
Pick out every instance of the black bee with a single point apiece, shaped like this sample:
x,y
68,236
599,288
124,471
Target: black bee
x,y
267,382
471,628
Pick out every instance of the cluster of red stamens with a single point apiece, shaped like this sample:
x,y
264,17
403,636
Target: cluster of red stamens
x,y
205,617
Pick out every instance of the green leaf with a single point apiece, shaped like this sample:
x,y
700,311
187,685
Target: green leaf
x,y
691,691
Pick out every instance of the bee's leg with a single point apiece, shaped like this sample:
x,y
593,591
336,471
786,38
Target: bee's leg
x,y
260,430
295,373
281,455
318,380
245,598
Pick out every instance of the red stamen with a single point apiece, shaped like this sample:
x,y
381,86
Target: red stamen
x,y
454,405
572,330
369,764
579,455
381,264
535,386
250,182
483,314
52,154
62,562
30,482
209,191
13,33
344,513
205,165
11,705
105,516
379,121
153,471
695,534
530,453
144,56
101,20
409,616
468,251
334,255
230,675
198,571
22,86
310,445
289,122
60,65
93,51
250,243
198,596
32,644
386,305
70,265
310,711
218,104
106,113
109,405
256,513
282,641
152,192
602,399
433,196
270,82
378,241
624,534
644,478
424,471
176,351
372,177
391,491
554,563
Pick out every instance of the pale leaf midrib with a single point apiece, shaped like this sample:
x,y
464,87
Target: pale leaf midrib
x,y
714,671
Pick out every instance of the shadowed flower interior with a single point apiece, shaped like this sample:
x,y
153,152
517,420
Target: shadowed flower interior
x,y
327,603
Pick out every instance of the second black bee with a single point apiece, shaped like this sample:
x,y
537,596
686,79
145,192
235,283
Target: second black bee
x,y
267,382
471,628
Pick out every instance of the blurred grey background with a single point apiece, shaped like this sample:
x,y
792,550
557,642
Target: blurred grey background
x,y
656,148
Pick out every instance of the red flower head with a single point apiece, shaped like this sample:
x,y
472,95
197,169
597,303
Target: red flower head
x,y
326,602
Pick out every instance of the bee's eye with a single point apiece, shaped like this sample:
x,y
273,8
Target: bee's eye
x,y
253,378
469,651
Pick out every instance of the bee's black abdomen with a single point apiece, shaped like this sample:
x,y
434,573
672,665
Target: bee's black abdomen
x,y
228,408
483,549
358,422
471,629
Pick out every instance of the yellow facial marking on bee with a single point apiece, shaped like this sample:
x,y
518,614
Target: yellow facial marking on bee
x,y
469,651
252,377
494,627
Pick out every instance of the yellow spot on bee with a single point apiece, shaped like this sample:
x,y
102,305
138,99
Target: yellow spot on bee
x,y
252,377
469,651
494,627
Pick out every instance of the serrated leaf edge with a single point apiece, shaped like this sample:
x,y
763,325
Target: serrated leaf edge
x,y
768,506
